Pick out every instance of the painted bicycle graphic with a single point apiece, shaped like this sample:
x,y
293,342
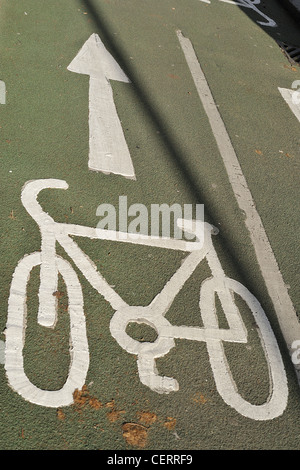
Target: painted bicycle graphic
x,y
51,264
252,5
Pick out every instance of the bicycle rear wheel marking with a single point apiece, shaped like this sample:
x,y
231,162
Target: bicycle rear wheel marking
x,y
277,400
15,336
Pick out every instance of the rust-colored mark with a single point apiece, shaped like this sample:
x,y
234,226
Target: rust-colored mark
x,y
290,67
110,404
95,403
114,415
199,399
171,75
135,434
60,414
170,423
82,399
282,153
58,294
259,152
147,418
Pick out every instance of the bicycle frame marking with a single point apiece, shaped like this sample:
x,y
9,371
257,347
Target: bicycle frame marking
x,y
153,314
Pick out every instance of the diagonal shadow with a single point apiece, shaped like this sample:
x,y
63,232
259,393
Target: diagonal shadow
x,y
278,19
187,174
275,17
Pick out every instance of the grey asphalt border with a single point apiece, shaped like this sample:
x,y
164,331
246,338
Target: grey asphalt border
x,y
293,6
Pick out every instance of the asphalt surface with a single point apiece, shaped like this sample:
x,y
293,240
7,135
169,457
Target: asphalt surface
x,y
44,130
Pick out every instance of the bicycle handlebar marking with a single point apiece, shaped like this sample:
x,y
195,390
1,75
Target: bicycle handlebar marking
x,y
153,314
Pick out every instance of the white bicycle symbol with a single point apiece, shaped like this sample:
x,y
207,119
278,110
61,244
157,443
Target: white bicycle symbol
x,y
154,314
252,5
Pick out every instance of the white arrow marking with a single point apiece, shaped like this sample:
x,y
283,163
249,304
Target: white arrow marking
x,y
292,98
2,352
108,150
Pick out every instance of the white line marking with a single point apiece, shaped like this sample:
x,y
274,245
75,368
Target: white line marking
x,y
2,92
2,352
277,290
289,97
108,150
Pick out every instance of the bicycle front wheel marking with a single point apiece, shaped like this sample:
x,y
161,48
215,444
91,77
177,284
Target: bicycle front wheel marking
x,y
15,336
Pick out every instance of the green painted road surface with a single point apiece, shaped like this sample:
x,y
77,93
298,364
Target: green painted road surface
x,y
91,381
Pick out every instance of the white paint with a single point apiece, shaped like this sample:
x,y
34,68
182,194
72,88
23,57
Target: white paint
x,y
250,4
153,314
296,353
2,92
16,336
48,270
292,99
296,4
2,352
277,401
268,265
108,150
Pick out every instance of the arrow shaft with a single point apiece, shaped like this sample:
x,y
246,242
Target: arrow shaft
x,y
108,150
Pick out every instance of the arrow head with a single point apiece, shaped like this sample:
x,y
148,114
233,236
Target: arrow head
x,y
94,59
